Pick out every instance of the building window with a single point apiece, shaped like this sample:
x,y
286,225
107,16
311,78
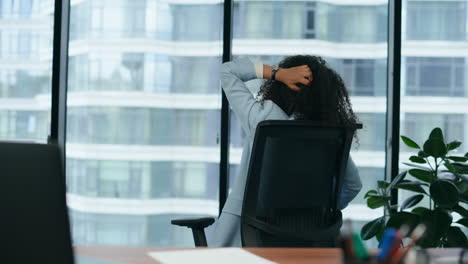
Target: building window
x,y
198,75
417,126
189,179
135,17
436,20
268,20
310,24
363,77
192,22
352,24
137,126
435,76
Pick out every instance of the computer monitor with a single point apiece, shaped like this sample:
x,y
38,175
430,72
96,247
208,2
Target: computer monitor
x,y
34,220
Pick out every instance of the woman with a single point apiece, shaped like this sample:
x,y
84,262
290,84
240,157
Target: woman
x,y
303,87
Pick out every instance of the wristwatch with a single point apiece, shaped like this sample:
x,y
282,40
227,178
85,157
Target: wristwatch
x,y
274,69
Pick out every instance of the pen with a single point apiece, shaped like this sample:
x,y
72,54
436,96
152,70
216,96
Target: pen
x,y
396,245
387,242
360,250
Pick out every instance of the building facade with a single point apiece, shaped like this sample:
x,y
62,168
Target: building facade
x,y
144,98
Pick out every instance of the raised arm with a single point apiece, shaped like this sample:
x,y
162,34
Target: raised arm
x,y
235,73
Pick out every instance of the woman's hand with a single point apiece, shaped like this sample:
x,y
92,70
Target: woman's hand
x,y
292,76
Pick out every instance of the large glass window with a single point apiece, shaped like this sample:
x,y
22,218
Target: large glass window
x,y
25,69
434,88
434,77
342,26
143,119
144,98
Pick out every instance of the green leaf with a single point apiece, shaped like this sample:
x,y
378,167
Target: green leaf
x,y
463,221
455,238
385,197
437,222
453,145
451,168
409,142
444,193
436,133
457,159
435,148
419,210
422,154
383,184
367,195
460,168
416,166
373,227
398,179
422,175
417,159
416,183
401,218
411,201
463,198
413,186
466,154
463,190
375,202
380,235
462,186
460,210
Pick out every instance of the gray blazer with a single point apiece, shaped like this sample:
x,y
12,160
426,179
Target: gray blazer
x,y
250,112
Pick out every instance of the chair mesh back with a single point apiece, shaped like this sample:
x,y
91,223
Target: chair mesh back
x,y
293,184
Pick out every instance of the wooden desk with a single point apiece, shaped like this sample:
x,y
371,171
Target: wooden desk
x,y
138,255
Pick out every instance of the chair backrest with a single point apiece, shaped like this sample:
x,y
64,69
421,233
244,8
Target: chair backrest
x,y
294,178
34,222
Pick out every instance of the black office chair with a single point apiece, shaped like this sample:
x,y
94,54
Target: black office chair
x,y
34,223
294,178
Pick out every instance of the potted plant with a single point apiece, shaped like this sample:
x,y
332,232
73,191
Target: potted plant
x,y
440,180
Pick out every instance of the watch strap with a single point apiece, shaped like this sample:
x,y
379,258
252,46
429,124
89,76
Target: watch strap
x,y
274,69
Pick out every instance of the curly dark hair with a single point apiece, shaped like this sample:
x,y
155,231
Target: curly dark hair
x,y
325,99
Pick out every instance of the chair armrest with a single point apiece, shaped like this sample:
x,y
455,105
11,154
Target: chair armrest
x,y
197,223
198,228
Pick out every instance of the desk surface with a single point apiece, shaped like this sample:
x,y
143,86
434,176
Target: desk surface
x,y
138,255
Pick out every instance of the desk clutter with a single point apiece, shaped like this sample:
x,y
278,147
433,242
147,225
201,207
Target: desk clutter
x,y
392,249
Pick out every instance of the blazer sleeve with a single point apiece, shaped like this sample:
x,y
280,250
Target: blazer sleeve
x,y
248,110
351,184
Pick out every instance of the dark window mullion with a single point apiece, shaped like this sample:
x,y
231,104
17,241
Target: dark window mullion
x,y
393,94
59,76
224,139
